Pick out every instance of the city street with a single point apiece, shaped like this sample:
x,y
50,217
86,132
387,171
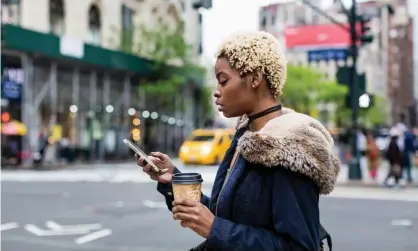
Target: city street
x,y
128,214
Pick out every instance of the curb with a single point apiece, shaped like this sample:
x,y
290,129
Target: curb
x,y
370,185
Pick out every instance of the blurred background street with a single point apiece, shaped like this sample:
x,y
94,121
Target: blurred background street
x,y
79,76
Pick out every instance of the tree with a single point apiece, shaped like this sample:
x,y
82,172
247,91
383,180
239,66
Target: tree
x,y
375,115
306,88
165,45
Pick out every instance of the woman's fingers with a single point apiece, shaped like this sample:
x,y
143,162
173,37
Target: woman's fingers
x,y
147,168
184,217
183,209
160,156
140,161
185,202
163,171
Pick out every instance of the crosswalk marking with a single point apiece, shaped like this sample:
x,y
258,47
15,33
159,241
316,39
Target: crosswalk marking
x,y
8,226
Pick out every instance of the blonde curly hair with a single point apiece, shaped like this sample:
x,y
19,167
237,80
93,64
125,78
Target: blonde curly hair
x,y
256,51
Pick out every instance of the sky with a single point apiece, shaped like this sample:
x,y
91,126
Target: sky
x,y
230,16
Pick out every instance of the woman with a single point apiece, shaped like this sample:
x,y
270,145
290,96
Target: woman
x,y
373,155
265,195
394,157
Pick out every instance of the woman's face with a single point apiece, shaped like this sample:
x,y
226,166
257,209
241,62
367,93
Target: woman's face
x,y
234,95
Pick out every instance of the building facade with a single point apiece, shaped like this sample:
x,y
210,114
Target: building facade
x,y
84,19
74,86
311,39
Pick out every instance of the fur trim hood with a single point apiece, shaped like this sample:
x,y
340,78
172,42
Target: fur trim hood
x,y
296,142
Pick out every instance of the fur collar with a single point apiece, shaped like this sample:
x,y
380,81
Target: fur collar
x,y
296,142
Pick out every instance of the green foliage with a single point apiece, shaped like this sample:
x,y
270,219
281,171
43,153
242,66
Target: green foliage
x,y
306,87
300,87
166,47
375,115
206,101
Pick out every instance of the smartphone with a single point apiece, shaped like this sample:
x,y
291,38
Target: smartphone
x,y
138,150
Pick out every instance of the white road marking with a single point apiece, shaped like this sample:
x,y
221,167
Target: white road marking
x,y
55,226
8,226
93,236
42,232
154,204
402,223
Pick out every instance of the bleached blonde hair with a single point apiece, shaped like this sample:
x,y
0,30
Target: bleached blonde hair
x,y
249,52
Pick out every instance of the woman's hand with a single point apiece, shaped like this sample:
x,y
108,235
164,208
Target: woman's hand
x,y
193,215
163,162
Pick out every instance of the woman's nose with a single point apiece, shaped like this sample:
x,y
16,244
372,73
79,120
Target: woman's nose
x,y
216,93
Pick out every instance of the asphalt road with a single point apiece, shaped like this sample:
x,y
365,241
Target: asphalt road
x,y
132,216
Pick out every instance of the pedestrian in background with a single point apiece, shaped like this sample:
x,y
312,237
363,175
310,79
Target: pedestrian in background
x,y
373,156
408,153
362,148
394,157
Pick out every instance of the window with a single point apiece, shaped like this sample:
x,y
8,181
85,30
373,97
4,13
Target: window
x,y
10,11
127,17
264,20
127,28
56,17
202,138
200,35
94,25
273,20
183,6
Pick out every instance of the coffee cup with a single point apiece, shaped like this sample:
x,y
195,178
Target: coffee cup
x,y
187,186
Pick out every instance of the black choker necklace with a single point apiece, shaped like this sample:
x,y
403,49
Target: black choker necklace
x,y
264,113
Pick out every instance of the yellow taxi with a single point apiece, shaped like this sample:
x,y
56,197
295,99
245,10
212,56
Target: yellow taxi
x,y
206,146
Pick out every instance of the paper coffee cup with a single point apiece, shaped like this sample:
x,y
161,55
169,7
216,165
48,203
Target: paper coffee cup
x,y
187,186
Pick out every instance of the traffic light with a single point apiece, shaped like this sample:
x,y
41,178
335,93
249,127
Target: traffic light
x,y
343,78
366,101
365,30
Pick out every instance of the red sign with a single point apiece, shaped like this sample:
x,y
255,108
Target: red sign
x,y
317,36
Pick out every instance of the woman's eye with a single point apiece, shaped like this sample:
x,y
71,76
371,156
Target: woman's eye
x,y
222,82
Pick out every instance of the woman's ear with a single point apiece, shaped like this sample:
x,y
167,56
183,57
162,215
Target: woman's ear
x,y
256,79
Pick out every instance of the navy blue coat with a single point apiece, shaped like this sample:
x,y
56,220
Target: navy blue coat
x,y
409,148
270,200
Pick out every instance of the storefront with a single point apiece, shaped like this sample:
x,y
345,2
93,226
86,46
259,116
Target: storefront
x,y
86,98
